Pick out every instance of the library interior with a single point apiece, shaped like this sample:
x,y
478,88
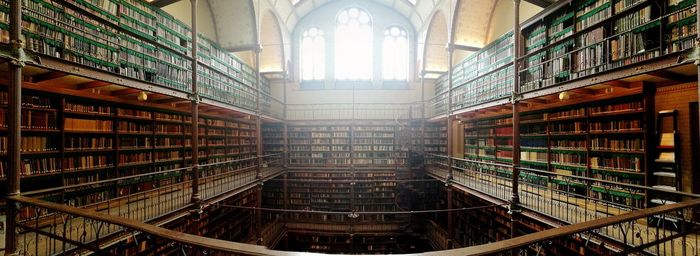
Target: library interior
x,y
316,127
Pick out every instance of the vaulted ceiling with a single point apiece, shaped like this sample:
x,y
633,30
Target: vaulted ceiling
x,y
290,13
234,24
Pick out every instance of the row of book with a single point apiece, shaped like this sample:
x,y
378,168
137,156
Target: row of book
x,y
627,163
31,144
32,119
87,108
30,101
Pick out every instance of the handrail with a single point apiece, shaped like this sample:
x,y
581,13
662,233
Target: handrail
x,y
248,249
681,193
506,245
48,190
189,239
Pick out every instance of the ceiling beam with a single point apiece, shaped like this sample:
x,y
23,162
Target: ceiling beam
x,y
466,48
162,3
537,101
541,3
617,83
672,76
48,76
123,92
90,85
171,100
584,91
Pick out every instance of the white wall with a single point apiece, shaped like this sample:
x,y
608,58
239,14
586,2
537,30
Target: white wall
x,y
502,21
205,23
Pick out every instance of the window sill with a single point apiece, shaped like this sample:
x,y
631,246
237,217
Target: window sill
x,y
353,84
312,85
395,85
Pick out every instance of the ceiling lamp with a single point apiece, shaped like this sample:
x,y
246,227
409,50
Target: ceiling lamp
x,y
142,96
564,96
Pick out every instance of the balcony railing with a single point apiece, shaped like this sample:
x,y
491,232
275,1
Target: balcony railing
x,y
568,198
271,106
345,111
50,228
171,190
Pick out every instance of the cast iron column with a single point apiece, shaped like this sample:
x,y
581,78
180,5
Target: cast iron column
x,y
450,148
517,45
14,110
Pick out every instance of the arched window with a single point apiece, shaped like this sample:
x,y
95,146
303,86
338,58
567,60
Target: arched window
x,y
313,47
353,45
395,54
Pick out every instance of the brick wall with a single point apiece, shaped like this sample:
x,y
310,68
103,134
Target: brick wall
x,y
678,97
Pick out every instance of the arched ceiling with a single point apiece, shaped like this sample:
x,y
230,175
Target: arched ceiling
x,y
272,54
435,59
290,14
472,22
236,22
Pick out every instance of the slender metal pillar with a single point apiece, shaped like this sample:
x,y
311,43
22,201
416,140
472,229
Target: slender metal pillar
x,y
285,137
517,46
259,146
450,135
697,45
450,148
14,134
450,218
421,143
196,198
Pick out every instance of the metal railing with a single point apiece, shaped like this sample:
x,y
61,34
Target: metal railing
x,y
49,228
272,165
588,238
271,106
437,105
153,195
568,198
344,111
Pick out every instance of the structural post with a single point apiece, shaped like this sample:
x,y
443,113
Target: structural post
x,y
517,46
450,218
697,46
450,137
196,198
285,138
259,147
14,110
421,143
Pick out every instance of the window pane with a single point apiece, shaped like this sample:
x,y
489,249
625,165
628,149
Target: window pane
x,y
395,57
353,45
312,54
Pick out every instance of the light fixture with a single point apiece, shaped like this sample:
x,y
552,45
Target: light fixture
x,y
564,96
142,96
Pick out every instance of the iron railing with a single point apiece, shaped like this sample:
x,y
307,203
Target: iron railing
x,y
49,228
568,198
271,106
167,191
345,111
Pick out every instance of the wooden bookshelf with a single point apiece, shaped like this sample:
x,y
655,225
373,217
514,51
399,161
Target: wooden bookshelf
x,y
599,39
273,138
133,43
605,139
71,140
339,190
435,140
